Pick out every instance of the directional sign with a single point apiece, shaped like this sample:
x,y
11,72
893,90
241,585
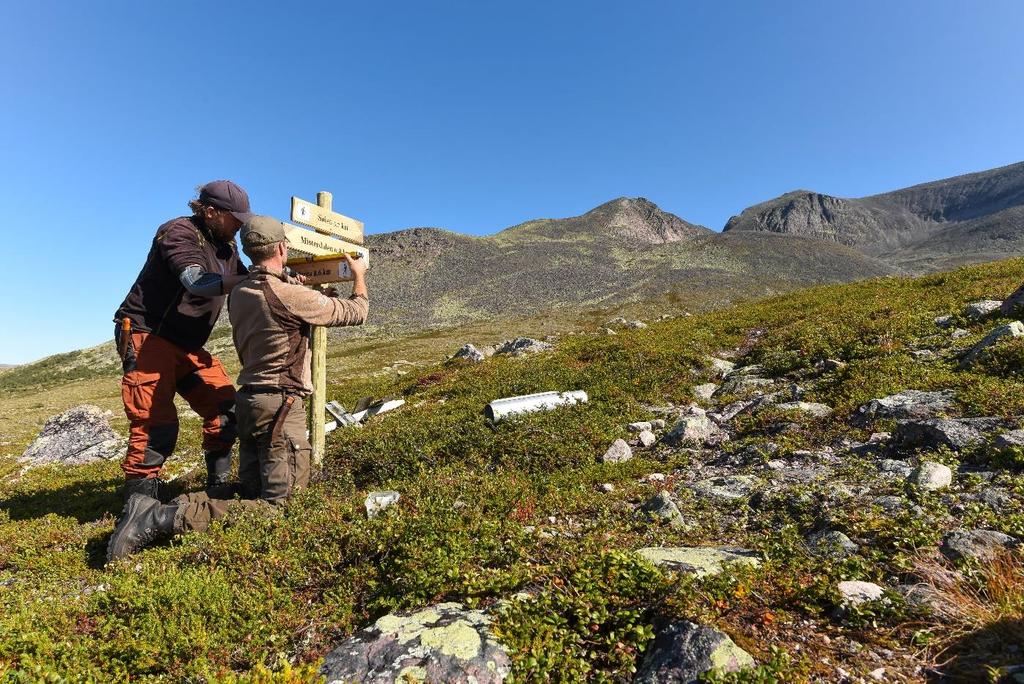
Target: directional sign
x,y
329,268
312,243
326,221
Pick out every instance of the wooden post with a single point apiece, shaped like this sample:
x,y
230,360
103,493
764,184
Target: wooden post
x,y
319,371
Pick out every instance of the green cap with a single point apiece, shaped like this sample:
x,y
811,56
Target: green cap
x,y
261,230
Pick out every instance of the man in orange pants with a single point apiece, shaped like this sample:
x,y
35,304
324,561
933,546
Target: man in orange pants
x,y
160,331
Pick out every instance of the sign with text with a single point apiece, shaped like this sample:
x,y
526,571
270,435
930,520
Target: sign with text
x,y
325,221
327,268
311,243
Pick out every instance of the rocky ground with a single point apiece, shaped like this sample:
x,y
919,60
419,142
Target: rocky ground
x,y
825,486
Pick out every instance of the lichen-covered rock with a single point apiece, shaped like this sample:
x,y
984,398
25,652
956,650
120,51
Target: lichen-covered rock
x,y
720,367
618,452
726,487
813,409
681,652
437,645
975,311
521,346
468,353
1008,331
647,438
931,476
982,545
639,426
831,541
705,391
701,561
908,404
853,593
662,507
697,430
742,385
79,435
946,321
955,433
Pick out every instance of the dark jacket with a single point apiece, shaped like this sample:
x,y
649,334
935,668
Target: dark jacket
x,y
159,303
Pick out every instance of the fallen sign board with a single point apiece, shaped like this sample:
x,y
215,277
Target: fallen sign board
x,y
326,221
328,268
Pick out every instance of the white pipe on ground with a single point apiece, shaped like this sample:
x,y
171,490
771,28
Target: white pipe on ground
x,y
543,401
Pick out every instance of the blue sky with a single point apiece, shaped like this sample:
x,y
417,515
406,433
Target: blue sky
x,y
472,116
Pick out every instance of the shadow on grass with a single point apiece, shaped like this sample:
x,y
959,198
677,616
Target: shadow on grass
x,y
84,501
999,644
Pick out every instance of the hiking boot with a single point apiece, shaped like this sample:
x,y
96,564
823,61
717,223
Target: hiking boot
x,y
153,487
143,520
218,468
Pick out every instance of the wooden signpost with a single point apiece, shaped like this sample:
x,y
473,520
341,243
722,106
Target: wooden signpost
x,y
318,256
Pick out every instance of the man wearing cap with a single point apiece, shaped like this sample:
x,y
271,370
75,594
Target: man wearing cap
x,y
271,319
160,331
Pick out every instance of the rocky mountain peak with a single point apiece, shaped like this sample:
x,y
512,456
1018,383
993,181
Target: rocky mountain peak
x,y
640,220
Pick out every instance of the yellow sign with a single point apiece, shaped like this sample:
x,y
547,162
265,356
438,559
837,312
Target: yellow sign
x,y
326,221
329,268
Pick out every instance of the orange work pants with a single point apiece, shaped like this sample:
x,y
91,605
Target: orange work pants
x,y
160,370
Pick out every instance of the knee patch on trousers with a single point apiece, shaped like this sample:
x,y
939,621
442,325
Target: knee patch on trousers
x,y
160,443
228,430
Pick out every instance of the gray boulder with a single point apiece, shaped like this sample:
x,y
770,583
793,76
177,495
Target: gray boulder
x,y
975,311
908,404
521,346
647,438
700,561
1014,304
79,435
662,507
639,426
931,476
946,321
1008,331
982,545
1013,439
705,392
469,353
742,384
720,367
894,467
681,652
618,452
853,593
440,644
955,433
695,429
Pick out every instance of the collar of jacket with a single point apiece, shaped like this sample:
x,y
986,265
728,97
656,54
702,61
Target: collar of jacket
x,y
263,270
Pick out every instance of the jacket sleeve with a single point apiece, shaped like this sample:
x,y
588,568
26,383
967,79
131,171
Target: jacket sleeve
x,y
180,247
316,308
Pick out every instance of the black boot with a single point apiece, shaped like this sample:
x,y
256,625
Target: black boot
x,y
218,468
143,520
153,487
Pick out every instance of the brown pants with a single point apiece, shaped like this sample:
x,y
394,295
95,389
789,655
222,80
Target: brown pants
x,y
273,461
155,370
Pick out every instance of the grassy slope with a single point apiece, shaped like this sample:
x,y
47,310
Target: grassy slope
x,y
247,594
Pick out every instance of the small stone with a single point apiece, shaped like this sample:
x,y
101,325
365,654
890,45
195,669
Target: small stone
x,y
662,506
609,331
639,427
655,477
720,367
878,674
647,438
982,545
924,354
895,467
960,333
854,592
521,346
705,392
946,321
607,487
726,488
636,325
378,501
931,476
831,365
975,311
830,541
658,424
618,452
695,429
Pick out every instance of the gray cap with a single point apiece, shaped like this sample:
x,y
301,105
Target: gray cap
x,y
261,230
226,195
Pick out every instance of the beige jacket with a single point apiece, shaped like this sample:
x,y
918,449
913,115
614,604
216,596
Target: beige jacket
x,y
271,321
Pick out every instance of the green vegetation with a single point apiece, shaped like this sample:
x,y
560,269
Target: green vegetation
x,y
489,512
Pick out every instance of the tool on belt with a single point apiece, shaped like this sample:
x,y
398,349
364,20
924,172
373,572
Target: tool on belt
x,y
126,336
280,417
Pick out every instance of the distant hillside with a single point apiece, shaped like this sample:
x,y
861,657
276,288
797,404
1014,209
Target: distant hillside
x,y
970,218
621,251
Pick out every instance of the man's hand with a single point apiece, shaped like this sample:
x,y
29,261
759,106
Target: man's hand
x,y
357,267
